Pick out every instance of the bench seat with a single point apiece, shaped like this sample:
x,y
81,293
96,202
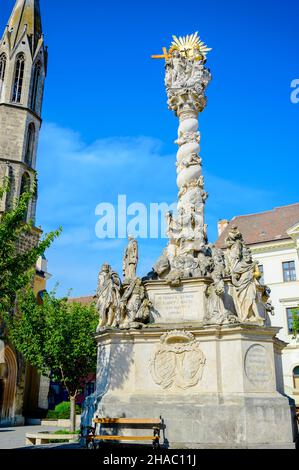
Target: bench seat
x,y
44,438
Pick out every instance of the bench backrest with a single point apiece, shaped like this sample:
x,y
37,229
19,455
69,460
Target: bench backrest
x,y
111,421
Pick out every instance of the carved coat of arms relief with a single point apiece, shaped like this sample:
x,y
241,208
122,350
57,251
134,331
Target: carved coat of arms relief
x,y
178,361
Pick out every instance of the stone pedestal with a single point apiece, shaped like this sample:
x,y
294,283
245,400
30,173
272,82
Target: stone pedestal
x,y
214,387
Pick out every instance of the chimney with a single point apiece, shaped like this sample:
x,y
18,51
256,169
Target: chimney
x,y
222,224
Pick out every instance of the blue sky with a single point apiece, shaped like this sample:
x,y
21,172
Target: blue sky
x,y
107,129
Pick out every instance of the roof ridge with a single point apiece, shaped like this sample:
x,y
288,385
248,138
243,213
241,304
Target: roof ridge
x,y
265,212
80,296
287,205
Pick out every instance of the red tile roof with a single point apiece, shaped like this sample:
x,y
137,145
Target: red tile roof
x,y
82,300
264,226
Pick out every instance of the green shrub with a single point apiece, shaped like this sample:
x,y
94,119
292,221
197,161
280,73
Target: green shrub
x,y
62,431
66,431
62,411
52,414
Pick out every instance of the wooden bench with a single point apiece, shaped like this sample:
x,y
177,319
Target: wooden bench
x,y
93,438
44,438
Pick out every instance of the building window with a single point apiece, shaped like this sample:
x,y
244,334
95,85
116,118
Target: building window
x,y
25,186
30,144
2,70
19,78
2,67
289,271
296,378
35,86
290,312
261,270
11,186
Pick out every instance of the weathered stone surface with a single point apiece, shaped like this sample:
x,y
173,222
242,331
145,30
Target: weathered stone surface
x,y
227,406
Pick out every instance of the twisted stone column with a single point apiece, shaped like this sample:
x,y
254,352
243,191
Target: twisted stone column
x,y
186,79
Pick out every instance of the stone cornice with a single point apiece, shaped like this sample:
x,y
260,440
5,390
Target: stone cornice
x,y
23,164
273,246
155,330
184,282
289,300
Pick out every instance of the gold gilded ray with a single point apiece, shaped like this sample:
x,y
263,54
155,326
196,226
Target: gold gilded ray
x,y
190,46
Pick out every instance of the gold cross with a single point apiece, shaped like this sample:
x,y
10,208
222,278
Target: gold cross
x,y
165,55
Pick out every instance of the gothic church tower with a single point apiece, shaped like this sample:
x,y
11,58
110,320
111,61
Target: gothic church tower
x,y
23,67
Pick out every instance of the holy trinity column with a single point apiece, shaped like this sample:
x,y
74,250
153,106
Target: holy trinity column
x,y
186,80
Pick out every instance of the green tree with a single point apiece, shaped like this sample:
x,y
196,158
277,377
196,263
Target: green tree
x,y
295,322
15,266
57,337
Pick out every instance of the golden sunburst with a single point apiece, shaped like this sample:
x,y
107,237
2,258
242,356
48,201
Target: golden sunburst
x,y
189,45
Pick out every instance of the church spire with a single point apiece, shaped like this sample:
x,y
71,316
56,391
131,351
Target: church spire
x,y
23,66
25,20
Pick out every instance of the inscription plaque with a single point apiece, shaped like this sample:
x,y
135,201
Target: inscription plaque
x,y
258,366
186,303
176,304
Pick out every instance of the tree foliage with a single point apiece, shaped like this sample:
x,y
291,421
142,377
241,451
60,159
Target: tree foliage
x,y
56,337
295,321
16,267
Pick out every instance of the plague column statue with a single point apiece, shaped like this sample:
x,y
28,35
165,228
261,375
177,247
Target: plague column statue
x,y
186,79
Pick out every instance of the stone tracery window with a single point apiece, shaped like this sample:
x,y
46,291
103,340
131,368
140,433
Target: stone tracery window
x,y
18,79
35,86
2,70
2,66
30,144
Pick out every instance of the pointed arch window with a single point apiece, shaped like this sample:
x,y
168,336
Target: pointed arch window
x,y
18,79
2,66
25,186
25,183
35,86
2,70
30,144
